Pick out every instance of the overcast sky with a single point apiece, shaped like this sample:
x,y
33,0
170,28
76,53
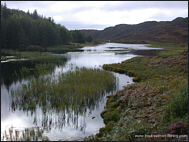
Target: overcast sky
x,y
101,14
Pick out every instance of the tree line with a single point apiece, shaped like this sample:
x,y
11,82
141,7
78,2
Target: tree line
x,y
20,29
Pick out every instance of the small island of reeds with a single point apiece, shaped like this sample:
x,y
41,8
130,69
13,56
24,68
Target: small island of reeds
x,y
76,89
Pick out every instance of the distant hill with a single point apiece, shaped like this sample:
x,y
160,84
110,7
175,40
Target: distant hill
x,y
175,31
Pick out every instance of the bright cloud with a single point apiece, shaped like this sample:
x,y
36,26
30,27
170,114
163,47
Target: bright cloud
x,y
100,14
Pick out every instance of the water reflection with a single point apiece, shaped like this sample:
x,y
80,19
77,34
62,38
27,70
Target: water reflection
x,y
65,122
71,96
118,47
11,72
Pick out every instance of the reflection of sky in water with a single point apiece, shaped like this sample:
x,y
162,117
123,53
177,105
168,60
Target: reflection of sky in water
x,y
91,126
20,120
118,46
94,60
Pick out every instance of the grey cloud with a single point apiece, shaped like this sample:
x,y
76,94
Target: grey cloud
x,y
25,5
72,25
135,5
80,9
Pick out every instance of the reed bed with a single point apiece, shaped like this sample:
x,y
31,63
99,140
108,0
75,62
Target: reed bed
x,y
30,55
29,69
72,91
27,134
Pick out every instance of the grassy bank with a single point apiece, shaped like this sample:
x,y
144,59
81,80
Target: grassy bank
x,y
7,54
146,68
63,48
68,48
156,104
170,46
27,55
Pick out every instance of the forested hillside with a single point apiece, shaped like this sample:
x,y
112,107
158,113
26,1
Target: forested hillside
x,y
175,31
20,29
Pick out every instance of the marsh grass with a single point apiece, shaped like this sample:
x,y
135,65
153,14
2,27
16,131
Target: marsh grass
x,y
30,55
73,47
171,46
37,70
145,68
27,134
158,98
64,48
75,90
170,52
38,56
29,69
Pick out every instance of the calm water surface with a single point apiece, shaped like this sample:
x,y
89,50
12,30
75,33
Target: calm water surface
x,y
58,126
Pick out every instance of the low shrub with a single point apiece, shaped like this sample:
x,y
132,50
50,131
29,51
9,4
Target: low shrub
x,y
34,48
110,115
178,128
178,105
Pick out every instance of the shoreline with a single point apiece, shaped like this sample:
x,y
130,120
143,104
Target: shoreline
x,y
141,108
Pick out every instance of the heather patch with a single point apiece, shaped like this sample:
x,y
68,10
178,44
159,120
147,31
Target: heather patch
x,y
153,109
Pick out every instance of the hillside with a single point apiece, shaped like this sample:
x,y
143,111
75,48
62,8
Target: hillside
x,y
175,31
20,30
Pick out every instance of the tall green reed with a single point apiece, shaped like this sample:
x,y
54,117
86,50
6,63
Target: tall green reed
x,y
27,134
75,90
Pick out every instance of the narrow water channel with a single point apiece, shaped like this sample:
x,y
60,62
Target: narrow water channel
x,y
56,127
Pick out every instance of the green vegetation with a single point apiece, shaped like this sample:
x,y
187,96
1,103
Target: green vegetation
x,y
28,55
146,68
36,52
39,68
67,48
28,134
150,106
20,30
29,65
170,46
156,104
77,90
79,37
178,105
34,48
170,52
